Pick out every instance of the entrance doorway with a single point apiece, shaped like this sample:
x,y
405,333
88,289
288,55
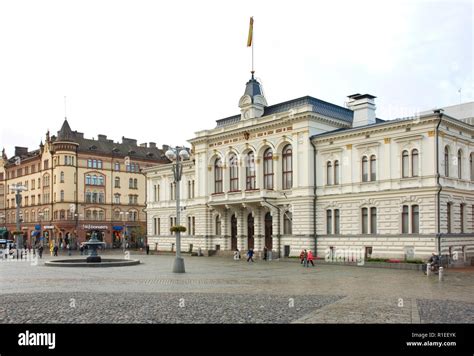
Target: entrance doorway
x,y
250,231
233,233
268,231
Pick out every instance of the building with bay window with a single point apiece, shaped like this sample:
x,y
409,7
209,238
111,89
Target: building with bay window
x,y
77,186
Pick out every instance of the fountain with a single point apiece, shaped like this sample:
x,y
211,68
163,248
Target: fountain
x,y
93,260
94,243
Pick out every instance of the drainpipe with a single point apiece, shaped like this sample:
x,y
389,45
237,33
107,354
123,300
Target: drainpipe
x,y
438,185
279,225
314,205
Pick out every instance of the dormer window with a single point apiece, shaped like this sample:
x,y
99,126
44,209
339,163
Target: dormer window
x,y
93,147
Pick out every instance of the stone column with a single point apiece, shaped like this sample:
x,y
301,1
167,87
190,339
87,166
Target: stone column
x,y
241,231
258,229
225,229
276,232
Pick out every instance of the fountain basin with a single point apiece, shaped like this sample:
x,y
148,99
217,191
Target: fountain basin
x,y
81,262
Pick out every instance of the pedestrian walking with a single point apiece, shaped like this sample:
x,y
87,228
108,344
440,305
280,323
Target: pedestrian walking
x,y
305,258
310,258
302,257
69,249
40,251
147,249
55,250
265,253
250,255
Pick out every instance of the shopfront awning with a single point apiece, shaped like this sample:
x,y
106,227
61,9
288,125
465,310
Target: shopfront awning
x,y
117,228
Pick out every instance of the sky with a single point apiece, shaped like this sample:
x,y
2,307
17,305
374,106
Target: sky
x,y
158,71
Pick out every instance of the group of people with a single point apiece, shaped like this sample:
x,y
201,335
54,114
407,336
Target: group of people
x,y
306,257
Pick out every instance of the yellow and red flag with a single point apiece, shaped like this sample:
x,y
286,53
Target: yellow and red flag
x,y
249,40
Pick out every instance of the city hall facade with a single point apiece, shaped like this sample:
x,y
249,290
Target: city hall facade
x,y
308,174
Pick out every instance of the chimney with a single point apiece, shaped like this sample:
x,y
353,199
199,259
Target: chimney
x,y
129,141
21,151
102,137
363,106
152,144
143,145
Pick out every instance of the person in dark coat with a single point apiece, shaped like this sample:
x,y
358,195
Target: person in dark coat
x,y
147,249
55,250
250,255
265,253
40,251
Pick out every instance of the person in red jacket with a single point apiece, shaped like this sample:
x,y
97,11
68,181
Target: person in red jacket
x,y
310,258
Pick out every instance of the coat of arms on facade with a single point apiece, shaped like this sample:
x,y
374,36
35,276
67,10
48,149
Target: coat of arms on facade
x,y
246,135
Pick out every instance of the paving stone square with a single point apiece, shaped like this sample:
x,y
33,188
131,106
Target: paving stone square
x,y
221,290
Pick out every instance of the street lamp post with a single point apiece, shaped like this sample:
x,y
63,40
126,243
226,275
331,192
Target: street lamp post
x,y
17,189
177,155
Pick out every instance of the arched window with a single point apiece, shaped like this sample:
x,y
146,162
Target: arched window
x,y
130,183
287,167
61,177
218,176
373,168
116,214
287,223
471,165
250,172
446,161
365,169
405,164
117,182
268,169
101,215
459,164
414,163
329,173
218,225
233,173
336,172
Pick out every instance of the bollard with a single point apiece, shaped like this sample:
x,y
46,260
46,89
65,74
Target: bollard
x,y
428,269
441,273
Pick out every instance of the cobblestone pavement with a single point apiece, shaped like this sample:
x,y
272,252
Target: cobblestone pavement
x,y
158,308
224,290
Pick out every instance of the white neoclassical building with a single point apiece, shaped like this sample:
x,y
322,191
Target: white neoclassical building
x,y
309,174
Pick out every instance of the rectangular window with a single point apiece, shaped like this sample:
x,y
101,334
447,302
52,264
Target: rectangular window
x,y
373,220
192,187
405,219
415,219
461,211
328,221
448,217
336,222
194,225
46,164
365,221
